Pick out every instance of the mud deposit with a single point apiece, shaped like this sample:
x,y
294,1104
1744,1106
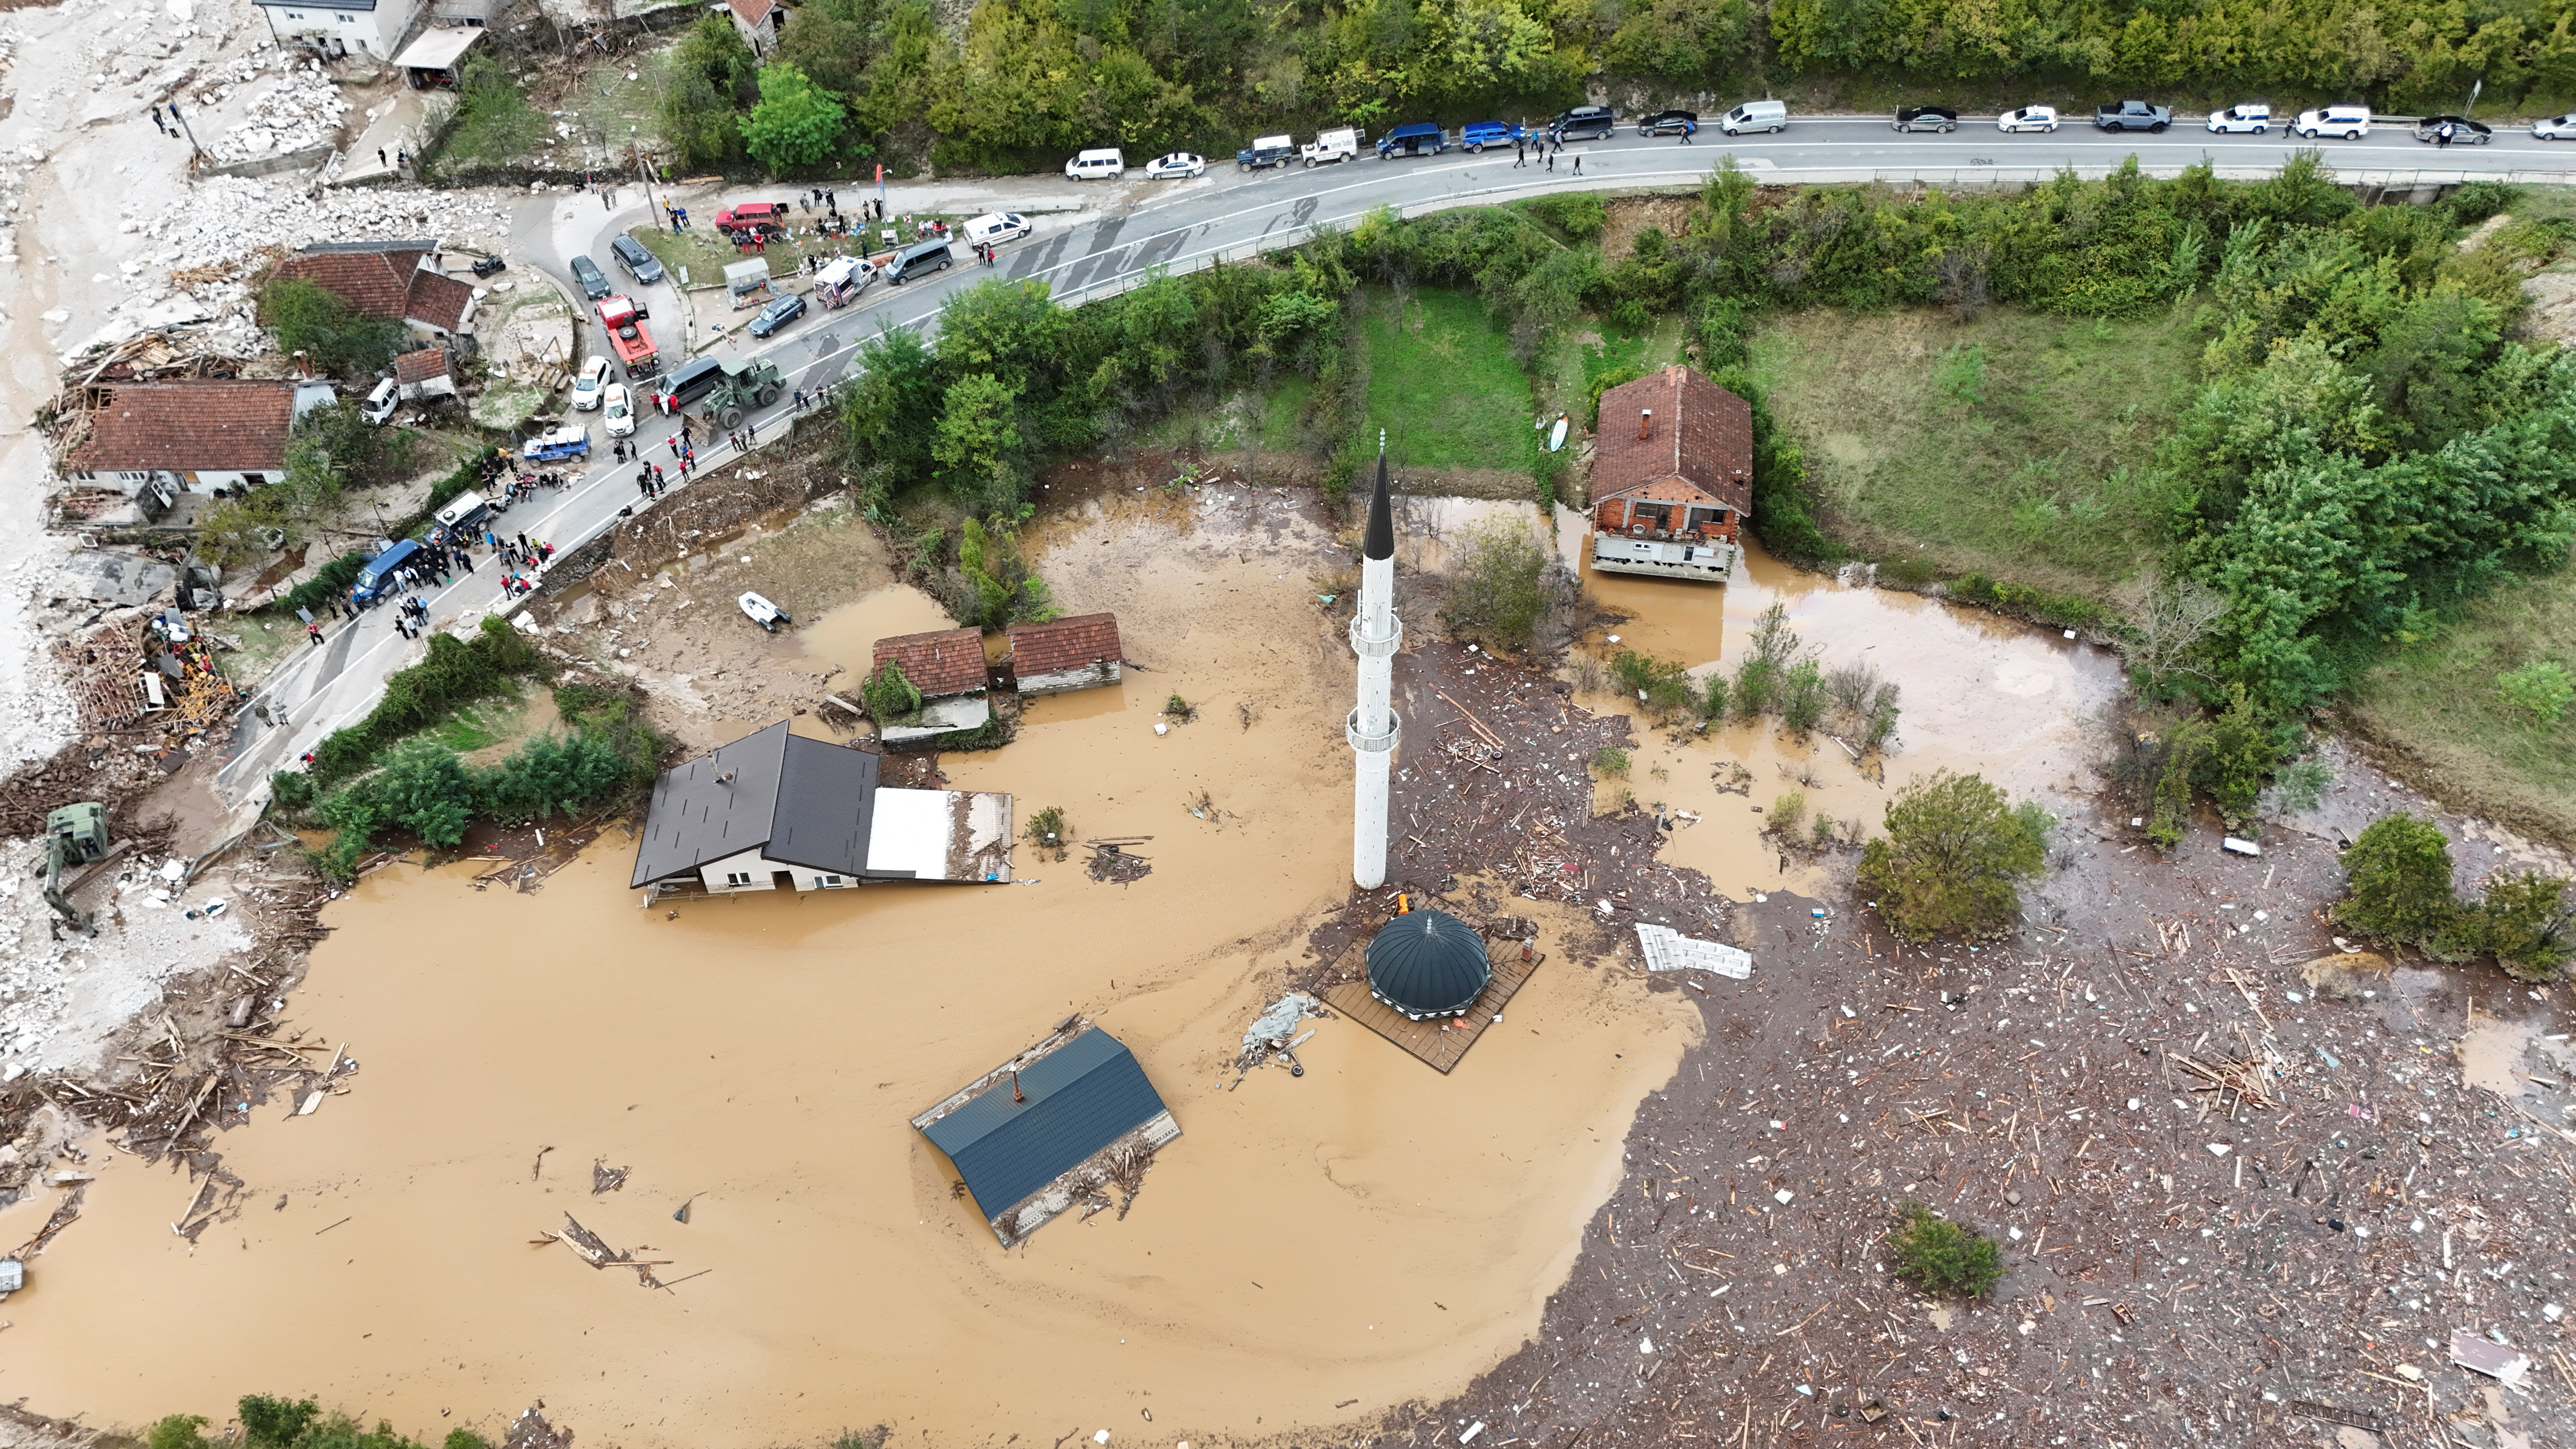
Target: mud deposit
x,y
1309,1250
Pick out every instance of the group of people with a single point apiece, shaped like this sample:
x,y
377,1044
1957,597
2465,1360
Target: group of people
x,y
1547,146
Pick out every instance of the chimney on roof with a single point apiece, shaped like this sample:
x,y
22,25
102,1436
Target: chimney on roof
x,y
1645,424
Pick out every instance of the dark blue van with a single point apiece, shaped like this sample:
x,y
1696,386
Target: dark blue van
x,y
377,579
1421,138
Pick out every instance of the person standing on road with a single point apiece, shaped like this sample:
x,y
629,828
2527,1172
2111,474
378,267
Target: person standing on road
x,y
1689,129
1551,158
2442,137
380,151
466,559
314,633
1578,163
751,430
1520,152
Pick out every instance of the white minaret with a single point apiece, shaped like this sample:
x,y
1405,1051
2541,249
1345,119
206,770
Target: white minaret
x,y
1372,728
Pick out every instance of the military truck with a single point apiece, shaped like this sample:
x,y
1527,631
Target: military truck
x,y
744,386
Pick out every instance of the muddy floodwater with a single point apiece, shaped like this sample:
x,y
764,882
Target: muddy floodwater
x,y
1310,1251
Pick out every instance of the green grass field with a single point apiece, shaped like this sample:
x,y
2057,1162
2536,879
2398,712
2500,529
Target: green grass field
x,y
1443,383
2015,445
2438,700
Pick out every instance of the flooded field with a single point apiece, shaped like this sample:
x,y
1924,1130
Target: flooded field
x,y
1310,1251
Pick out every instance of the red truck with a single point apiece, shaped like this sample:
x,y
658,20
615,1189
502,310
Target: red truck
x,y
634,346
766,220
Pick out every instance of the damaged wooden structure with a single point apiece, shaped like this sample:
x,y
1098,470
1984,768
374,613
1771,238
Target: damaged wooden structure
x,y
776,809
1054,1126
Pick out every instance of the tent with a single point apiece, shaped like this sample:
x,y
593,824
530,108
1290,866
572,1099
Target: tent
x,y
1427,965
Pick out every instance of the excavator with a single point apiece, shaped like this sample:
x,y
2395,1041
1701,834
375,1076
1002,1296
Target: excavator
x,y
75,838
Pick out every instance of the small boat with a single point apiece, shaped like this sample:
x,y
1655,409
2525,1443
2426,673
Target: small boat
x,y
1556,435
762,612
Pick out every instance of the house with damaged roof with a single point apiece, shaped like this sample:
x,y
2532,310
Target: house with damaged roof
x,y
947,668
775,810
1672,478
152,441
389,281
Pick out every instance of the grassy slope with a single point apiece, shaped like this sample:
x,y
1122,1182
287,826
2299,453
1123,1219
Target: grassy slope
x,y
1444,384
2438,701
2029,467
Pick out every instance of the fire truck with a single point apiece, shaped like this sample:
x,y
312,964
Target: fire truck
x,y
634,346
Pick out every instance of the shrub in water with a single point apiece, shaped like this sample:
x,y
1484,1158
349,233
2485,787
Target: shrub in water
x,y
1939,1256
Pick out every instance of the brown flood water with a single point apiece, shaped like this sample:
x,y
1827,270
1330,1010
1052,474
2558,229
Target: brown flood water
x,y
1370,1233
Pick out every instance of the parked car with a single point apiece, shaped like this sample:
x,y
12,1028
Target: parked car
x,y
1584,123
486,266
1926,118
1669,123
2556,128
617,406
2028,118
1105,164
639,263
1417,138
1266,152
1477,135
572,440
2251,118
2464,132
995,227
593,281
1179,163
2350,121
377,578
917,260
2132,116
380,402
1772,116
779,312
589,383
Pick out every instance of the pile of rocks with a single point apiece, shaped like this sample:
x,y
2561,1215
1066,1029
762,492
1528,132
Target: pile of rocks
x,y
300,109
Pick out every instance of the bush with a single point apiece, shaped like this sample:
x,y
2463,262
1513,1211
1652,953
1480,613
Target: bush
x,y
1050,833
313,321
329,582
2544,688
1579,214
275,1423
1802,697
1496,590
1610,762
2525,921
1788,812
888,695
455,673
2399,882
1939,1256
1713,703
1953,856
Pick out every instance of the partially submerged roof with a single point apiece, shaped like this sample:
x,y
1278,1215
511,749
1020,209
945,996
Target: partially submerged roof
x,y
1061,644
221,426
797,801
1699,437
1023,1127
943,661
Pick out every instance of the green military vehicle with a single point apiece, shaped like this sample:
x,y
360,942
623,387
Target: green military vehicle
x,y
744,386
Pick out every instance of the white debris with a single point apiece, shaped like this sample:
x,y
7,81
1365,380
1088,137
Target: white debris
x,y
1280,1020
1666,949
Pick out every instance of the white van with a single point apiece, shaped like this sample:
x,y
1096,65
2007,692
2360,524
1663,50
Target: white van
x,y
842,280
1104,165
380,403
995,227
1331,146
1755,116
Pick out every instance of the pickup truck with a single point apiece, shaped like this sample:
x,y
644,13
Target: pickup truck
x,y
626,335
2132,116
569,441
1339,145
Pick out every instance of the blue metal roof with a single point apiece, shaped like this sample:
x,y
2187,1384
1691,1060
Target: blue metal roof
x,y
1082,1096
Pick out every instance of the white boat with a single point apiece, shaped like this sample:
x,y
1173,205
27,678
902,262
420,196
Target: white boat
x,y
1556,435
762,612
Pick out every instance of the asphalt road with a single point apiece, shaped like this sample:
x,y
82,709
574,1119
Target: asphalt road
x,y
1134,227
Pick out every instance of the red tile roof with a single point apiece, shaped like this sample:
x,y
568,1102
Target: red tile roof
x,y
944,661
420,366
374,283
437,299
1701,437
752,12
211,426
1083,640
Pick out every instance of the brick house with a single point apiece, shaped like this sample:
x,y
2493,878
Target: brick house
x,y
947,666
391,281
757,22
1065,654
165,438
423,373
1673,460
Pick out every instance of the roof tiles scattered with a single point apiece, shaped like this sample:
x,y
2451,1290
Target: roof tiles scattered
x,y
1700,435
941,662
228,426
1061,644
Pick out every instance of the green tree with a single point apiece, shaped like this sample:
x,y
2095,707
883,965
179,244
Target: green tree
x,y
710,77
1495,587
998,577
881,410
423,787
978,443
1953,857
272,1423
2398,878
888,695
2528,925
551,775
308,319
795,123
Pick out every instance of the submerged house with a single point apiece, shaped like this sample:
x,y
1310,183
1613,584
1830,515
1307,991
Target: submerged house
x,y
774,809
1066,654
947,666
1060,1121
1672,477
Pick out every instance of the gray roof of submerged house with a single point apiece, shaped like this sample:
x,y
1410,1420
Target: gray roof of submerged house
x,y
1082,1096
798,801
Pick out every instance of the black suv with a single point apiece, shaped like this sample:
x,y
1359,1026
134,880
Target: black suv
x,y
640,264
1583,123
594,282
1669,123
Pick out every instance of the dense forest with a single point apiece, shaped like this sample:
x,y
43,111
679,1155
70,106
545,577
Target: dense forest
x,y
1027,81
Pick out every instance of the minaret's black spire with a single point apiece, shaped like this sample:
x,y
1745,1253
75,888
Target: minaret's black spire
x,y
1381,524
